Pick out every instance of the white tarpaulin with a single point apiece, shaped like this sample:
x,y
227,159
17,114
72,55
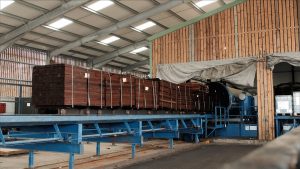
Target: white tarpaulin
x,y
292,58
240,71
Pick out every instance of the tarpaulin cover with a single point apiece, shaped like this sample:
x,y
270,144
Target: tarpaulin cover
x,y
292,58
239,71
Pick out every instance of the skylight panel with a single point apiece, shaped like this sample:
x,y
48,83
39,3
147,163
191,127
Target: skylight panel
x,y
203,3
138,50
145,25
96,6
5,3
109,40
59,24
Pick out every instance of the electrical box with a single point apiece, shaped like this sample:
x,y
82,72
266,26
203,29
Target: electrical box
x,y
2,107
284,104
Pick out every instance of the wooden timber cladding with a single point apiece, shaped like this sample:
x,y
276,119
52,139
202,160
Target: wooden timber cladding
x,y
254,28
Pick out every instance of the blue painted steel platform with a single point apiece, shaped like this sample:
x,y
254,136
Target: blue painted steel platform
x,y
293,121
66,133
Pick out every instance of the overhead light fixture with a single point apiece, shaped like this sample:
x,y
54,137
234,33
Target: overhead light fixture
x,y
96,6
203,3
59,24
109,40
138,50
145,25
5,3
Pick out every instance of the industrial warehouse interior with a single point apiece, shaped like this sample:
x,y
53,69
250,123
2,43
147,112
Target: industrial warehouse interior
x,y
149,84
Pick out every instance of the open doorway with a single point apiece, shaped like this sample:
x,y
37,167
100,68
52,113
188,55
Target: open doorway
x,y
286,80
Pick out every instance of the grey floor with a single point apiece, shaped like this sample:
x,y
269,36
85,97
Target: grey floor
x,y
204,157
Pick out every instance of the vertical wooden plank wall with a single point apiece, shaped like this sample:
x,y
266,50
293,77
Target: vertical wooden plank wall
x,y
16,64
262,28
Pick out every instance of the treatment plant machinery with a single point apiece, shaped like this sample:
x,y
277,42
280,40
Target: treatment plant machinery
x,y
232,115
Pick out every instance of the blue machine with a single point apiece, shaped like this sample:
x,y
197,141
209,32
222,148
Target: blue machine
x,y
237,114
247,106
66,134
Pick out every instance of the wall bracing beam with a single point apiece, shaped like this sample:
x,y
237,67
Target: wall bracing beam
x,y
117,26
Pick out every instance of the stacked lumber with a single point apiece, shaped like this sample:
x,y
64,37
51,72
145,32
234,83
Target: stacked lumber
x,y
181,96
59,85
127,83
96,88
10,152
201,98
184,97
113,90
62,85
2,107
146,93
120,90
167,97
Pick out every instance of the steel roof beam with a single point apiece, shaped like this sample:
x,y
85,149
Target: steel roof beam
x,y
100,61
42,19
6,45
110,19
198,9
171,12
136,65
117,26
136,12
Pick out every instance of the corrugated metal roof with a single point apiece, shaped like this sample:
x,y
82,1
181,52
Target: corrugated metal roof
x,y
86,22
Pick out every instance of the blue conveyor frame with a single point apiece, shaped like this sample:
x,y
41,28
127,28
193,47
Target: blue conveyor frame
x,y
66,134
294,121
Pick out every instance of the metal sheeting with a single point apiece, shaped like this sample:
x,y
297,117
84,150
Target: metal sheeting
x,y
84,21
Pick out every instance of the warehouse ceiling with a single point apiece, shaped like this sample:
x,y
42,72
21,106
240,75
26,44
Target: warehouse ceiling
x,y
55,26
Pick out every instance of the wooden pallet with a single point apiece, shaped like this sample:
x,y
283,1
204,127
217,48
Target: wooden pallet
x,y
10,152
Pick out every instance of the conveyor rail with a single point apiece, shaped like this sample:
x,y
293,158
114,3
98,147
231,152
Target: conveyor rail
x,y
66,133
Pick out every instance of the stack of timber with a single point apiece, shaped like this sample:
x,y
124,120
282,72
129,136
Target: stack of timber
x,y
120,91
127,83
11,152
96,88
184,97
63,86
167,97
201,98
59,85
113,90
146,93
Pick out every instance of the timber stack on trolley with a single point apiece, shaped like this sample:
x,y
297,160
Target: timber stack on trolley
x,y
63,86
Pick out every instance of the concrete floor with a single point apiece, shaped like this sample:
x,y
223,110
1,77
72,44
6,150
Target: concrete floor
x,y
204,157
112,156
153,155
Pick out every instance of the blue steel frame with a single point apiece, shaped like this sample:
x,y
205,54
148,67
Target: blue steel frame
x,y
66,134
295,120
